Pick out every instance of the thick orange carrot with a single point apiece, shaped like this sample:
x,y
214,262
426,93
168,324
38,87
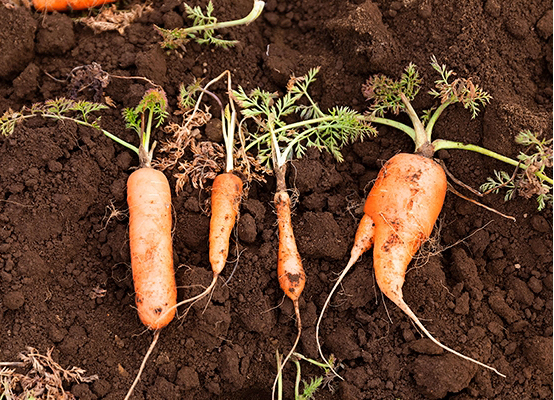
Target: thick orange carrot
x,y
404,204
400,213
67,5
150,240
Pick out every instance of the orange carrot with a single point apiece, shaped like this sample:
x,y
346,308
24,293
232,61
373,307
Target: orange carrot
x,y
150,240
399,215
226,190
150,218
289,265
67,5
226,196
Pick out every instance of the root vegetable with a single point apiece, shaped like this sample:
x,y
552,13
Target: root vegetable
x,y
407,197
399,214
67,5
227,188
150,241
289,265
278,142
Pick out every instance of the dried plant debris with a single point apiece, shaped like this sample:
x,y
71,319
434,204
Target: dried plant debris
x,y
44,378
13,4
112,19
89,77
208,161
182,138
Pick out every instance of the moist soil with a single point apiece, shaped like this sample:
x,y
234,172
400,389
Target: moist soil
x,y
484,288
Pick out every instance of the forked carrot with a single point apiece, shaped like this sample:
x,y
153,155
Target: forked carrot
x,y
399,215
404,203
68,5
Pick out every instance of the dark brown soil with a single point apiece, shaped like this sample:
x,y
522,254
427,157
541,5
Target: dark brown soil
x,y
488,294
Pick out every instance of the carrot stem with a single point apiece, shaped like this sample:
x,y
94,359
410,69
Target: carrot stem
x,y
442,144
254,13
395,124
279,377
289,127
420,137
434,117
297,380
88,124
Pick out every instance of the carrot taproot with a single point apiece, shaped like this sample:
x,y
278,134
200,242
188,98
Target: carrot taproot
x,y
150,241
226,195
399,215
225,201
67,5
290,271
150,219
289,265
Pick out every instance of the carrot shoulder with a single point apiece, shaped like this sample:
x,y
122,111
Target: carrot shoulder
x,y
66,5
150,241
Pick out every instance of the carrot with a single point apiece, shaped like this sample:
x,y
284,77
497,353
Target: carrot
x,y
150,218
226,189
149,200
399,215
226,195
289,265
407,197
278,142
67,5
225,201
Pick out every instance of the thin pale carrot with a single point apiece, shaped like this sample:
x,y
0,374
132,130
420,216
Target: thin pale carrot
x,y
289,264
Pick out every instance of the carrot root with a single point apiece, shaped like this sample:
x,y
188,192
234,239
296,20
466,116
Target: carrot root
x,y
292,350
362,242
67,5
400,213
404,307
150,242
225,199
143,364
289,267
